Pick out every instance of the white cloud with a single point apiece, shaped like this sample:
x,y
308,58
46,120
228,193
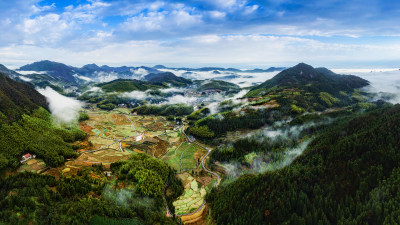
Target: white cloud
x,y
217,14
250,9
139,73
64,109
102,77
229,50
139,95
176,16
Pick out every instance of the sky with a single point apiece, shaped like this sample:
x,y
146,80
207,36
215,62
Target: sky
x,y
195,33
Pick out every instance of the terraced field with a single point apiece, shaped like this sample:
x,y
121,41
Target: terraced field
x,y
114,136
193,197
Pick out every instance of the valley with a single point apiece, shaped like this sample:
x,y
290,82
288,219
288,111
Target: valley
x,y
118,134
167,150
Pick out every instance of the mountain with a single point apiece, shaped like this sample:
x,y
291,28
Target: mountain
x,y
55,69
304,88
168,78
218,84
17,98
271,69
305,76
10,73
159,67
349,174
127,85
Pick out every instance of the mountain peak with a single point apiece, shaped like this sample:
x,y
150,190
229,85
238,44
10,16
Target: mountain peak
x,y
304,76
92,66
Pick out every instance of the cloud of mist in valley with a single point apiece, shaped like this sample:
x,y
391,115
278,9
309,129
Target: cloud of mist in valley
x,y
281,133
64,109
262,162
103,77
139,73
125,197
243,79
138,95
215,106
385,83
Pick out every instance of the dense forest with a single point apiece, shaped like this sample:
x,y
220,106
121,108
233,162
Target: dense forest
x,y
27,127
303,88
218,124
128,85
17,98
36,134
167,78
41,199
150,176
218,84
164,110
349,174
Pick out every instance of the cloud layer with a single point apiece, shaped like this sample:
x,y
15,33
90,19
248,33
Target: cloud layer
x,y
221,32
63,108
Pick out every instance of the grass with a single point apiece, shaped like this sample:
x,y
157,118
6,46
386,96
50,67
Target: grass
x,y
188,160
172,158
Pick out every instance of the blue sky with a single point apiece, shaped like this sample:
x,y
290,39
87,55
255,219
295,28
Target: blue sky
x,y
239,33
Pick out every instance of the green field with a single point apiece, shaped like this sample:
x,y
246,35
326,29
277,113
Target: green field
x,y
172,158
188,159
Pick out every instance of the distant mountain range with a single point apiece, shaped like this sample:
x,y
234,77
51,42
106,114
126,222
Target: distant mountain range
x,y
92,72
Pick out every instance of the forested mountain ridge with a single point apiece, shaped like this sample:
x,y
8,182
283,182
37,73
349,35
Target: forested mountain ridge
x,y
17,98
304,76
303,88
348,175
218,84
127,85
168,78
53,68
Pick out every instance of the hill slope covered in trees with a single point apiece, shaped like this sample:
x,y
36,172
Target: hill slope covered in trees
x,y
303,88
17,98
168,78
348,175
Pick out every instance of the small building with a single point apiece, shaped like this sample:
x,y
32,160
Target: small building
x,y
27,157
108,173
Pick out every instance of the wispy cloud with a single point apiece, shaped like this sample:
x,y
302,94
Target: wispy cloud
x,y
220,31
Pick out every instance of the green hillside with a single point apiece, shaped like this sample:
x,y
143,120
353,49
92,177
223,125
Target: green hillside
x,y
348,175
167,78
125,85
17,98
218,84
304,88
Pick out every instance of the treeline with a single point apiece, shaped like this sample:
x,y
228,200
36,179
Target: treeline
x,y
219,124
28,198
36,134
164,110
17,98
348,175
149,176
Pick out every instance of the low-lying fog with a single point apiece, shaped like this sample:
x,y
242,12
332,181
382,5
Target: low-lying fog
x,y
64,109
382,80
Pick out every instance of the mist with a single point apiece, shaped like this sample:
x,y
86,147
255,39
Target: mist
x,y
64,109
263,162
384,83
243,79
138,95
126,197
